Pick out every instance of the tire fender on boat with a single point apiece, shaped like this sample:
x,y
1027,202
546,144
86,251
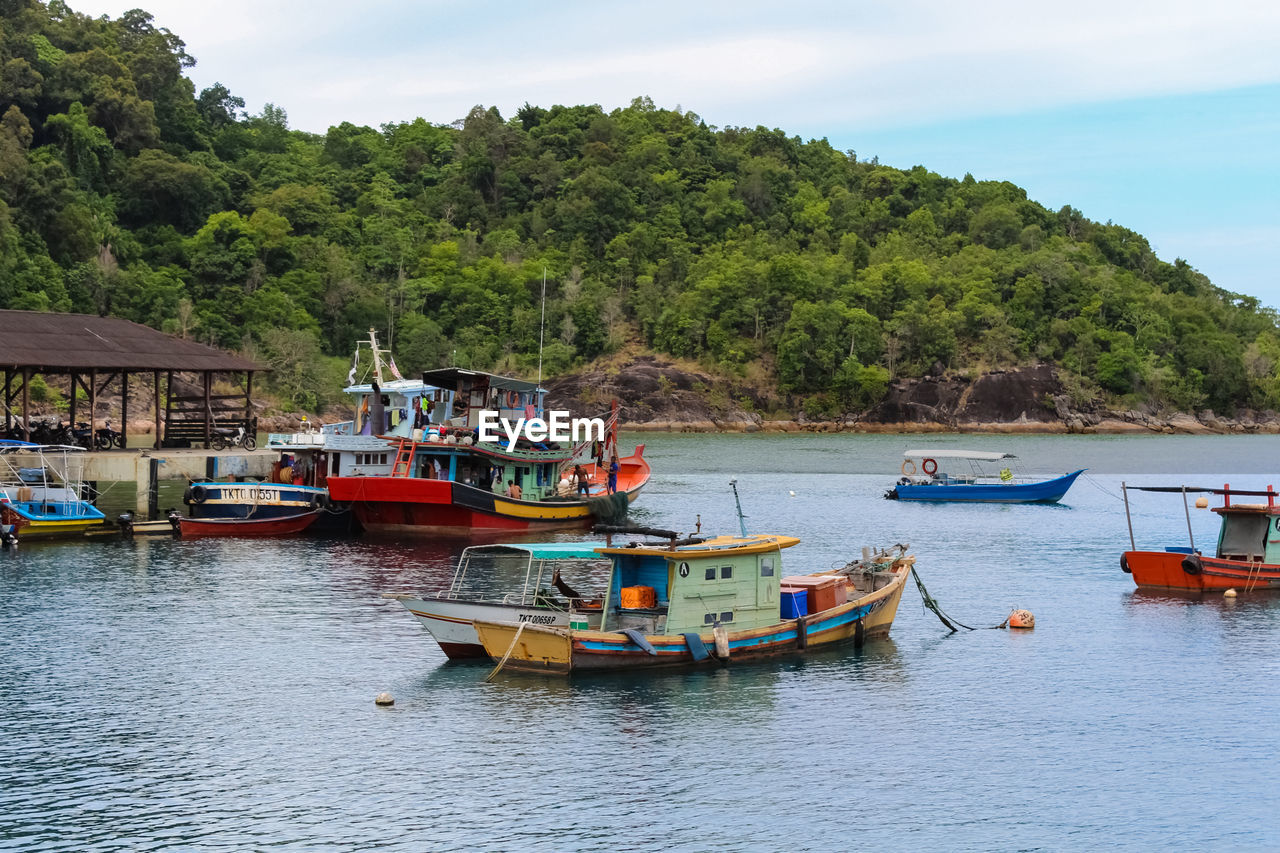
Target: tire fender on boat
x,y
908,467
1124,565
198,494
1191,564
929,467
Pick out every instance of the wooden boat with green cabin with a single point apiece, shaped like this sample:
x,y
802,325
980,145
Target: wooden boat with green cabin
x,y
707,603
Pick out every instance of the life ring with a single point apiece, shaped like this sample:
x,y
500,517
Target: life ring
x,y
908,467
199,494
513,399
929,467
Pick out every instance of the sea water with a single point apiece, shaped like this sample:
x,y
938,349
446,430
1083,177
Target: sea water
x,y
218,694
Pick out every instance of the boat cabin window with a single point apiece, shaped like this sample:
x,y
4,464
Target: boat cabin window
x,y
766,567
711,574
1244,537
726,571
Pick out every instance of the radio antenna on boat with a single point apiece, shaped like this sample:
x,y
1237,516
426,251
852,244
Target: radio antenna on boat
x,y
541,327
742,519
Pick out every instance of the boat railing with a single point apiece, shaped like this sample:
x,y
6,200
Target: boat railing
x,y
338,428
1226,493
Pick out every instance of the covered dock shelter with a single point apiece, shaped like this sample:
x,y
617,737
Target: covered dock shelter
x,y
96,352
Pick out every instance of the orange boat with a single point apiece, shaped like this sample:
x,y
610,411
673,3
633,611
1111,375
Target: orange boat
x,y
1247,555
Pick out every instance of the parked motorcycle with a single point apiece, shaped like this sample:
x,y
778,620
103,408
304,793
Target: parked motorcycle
x,y
224,436
107,437
81,435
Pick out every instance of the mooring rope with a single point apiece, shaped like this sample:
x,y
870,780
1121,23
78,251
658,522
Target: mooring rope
x,y
1101,487
931,603
510,649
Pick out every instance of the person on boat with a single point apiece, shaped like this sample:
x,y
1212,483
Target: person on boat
x,y
613,473
584,482
513,490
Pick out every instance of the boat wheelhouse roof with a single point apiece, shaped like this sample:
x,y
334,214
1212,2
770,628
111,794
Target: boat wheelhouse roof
x,y
545,550
717,546
447,377
977,455
407,387
21,447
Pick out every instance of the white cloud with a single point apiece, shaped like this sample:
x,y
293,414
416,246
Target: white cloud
x,y
750,63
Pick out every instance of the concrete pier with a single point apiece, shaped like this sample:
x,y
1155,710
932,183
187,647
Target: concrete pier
x,y
148,467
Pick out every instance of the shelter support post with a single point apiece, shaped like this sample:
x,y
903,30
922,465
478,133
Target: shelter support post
x,y
156,375
71,412
93,405
26,404
248,400
8,416
124,406
208,408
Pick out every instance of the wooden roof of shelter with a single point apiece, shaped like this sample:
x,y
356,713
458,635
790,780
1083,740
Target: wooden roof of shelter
x,y
47,343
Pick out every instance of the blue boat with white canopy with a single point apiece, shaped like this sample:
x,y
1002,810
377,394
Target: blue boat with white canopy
x,y
943,474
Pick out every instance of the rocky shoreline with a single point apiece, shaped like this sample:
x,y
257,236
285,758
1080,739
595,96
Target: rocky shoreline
x,y
659,396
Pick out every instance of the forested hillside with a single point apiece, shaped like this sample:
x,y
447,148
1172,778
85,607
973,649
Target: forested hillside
x,y
814,272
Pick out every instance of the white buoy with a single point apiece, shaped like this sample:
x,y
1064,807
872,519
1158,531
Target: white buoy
x,y
1231,593
384,698
793,494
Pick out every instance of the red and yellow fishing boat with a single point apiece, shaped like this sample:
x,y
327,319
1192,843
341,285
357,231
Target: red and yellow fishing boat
x,y
1247,555
449,480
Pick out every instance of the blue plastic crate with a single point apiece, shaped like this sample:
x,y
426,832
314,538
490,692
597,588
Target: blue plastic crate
x,y
795,603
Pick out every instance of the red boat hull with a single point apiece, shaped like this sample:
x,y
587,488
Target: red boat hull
x,y
191,528
415,506
1172,570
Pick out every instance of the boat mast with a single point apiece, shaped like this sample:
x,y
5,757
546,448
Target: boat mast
x,y
742,519
377,356
541,327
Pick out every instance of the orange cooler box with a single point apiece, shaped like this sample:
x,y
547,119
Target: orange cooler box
x,y
825,591
634,597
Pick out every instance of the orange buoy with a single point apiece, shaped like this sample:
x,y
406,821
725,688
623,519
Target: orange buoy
x,y
1202,502
1022,619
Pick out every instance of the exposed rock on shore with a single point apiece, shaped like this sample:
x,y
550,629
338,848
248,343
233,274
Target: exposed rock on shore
x,y
656,394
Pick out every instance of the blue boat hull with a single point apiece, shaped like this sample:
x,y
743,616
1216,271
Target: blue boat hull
x,y
1048,491
253,500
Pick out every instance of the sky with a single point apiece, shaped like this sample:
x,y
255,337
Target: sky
x,y
1163,117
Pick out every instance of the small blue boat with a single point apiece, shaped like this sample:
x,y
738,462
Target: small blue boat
x,y
42,492
924,479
